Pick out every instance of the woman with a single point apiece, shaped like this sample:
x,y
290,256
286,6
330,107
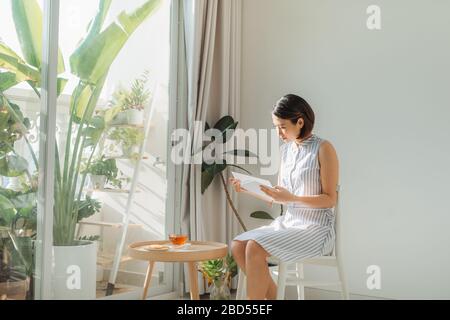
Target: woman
x,y
307,181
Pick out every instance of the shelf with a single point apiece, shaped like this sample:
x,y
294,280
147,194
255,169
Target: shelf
x,y
125,158
140,126
106,260
116,225
107,190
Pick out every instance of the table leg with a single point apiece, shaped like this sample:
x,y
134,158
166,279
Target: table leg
x,y
193,280
148,278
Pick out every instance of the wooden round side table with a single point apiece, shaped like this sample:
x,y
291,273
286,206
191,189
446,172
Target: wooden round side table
x,y
196,252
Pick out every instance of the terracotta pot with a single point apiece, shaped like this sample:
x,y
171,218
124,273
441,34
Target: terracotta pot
x,y
14,289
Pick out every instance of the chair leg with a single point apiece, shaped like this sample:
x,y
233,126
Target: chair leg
x,y
242,286
282,274
344,287
300,276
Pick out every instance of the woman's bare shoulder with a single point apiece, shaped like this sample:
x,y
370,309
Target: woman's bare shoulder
x,y
327,149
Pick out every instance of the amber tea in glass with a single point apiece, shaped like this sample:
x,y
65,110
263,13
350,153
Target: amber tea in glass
x,y
178,239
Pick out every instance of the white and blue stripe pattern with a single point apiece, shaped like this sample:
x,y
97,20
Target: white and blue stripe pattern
x,y
301,232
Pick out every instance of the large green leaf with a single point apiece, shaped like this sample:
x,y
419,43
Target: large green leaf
x,y
61,84
27,17
235,166
7,80
95,26
11,61
261,215
80,99
23,201
94,132
93,58
12,165
7,211
226,125
209,172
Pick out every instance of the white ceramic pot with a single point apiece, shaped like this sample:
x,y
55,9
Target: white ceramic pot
x,y
74,271
135,117
98,182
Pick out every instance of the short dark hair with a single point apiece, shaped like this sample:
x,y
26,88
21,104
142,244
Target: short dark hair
x,y
292,107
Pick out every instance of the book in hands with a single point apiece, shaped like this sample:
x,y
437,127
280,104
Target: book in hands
x,y
252,185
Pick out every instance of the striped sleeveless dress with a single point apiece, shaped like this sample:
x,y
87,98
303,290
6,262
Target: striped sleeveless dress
x,y
301,232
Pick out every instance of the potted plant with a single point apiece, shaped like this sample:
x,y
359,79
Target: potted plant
x,y
129,138
17,234
104,171
226,126
219,273
14,280
90,63
136,99
130,104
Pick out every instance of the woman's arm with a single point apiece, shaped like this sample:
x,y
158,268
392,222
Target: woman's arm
x,y
329,176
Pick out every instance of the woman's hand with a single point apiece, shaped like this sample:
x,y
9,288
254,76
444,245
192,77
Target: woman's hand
x,y
279,194
237,185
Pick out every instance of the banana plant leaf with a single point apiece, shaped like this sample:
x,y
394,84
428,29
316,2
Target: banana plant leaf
x,y
27,16
93,58
80,100
11,61
8,80
94,132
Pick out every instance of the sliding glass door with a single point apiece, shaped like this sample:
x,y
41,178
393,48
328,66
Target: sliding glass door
x,y
108,169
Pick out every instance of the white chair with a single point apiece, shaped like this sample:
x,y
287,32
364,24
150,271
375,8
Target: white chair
x,y
291,273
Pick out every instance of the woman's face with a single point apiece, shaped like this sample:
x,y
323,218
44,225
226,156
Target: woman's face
x,y
287,131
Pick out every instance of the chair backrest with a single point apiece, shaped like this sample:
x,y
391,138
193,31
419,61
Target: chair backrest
x,y
337,223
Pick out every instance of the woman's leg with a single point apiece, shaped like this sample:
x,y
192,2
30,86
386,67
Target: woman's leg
x,y
259,282
238,252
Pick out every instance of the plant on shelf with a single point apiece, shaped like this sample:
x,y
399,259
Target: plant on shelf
x,y
136,99
88,207
129,138
219,273
104,171
131,103
226,127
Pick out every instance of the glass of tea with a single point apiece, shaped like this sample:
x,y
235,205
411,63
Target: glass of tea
x,y
178,239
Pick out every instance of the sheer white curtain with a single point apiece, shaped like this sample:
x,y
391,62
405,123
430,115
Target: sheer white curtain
x,y
212,34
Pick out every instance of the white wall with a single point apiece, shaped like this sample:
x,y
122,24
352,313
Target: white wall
x,y
381,97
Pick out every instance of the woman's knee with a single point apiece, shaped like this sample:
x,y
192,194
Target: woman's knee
x,y
255,250
238,248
